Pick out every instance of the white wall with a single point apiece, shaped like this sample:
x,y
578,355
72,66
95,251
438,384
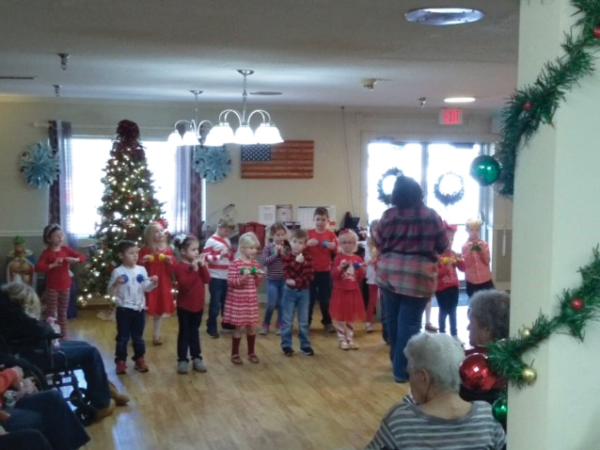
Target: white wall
x,y
24,209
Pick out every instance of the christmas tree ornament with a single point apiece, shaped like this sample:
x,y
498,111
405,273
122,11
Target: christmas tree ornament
x,y
476,374
125,278
140,278
577,304
449,189
382,195
596,31
526,333
356,265
39,165
325,244
485,170
529,375
500,410
161,257
527,106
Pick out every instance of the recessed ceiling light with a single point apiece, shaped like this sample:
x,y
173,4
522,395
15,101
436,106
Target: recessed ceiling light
x,y
266,93
459,99
443,16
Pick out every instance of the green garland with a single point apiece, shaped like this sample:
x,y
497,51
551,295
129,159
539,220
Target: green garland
x,y
383,197
577,307
537,103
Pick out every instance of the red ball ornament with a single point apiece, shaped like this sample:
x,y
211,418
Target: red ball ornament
x,y
577,304
596,32
527,106
477,376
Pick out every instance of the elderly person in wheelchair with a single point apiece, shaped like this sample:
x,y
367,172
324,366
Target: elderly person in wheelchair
x,y
435,416
18,303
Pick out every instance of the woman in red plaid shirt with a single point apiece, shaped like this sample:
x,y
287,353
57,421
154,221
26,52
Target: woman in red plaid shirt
x,y
409,238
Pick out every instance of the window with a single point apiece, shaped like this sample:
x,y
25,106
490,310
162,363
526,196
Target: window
x,y
88,159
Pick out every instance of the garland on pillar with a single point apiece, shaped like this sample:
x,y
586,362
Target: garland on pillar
x,y
577,307
536,103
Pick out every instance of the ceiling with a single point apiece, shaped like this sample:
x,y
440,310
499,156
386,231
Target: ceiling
x,y
313,51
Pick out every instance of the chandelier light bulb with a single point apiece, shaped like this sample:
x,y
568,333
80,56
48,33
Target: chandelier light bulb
x,y
244,136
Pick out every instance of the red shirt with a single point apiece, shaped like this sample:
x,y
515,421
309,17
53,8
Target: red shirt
x,y
348,279
191,286
57,278
301,273
321,256
447,265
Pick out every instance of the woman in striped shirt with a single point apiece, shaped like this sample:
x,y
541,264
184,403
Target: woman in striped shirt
x,y
436,417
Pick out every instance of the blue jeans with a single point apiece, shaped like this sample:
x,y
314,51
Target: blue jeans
x,y
295,300
404,318
188,336
49,413
448,301
218,291
320,289
274,298
130,323
88,358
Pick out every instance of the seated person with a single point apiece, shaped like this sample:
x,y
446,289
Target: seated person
x,y
435,416
46,412
23,440
15,300
489,313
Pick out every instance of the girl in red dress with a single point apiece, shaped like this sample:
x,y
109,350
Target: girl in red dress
x,y
346,299
55,262
158,259
241,305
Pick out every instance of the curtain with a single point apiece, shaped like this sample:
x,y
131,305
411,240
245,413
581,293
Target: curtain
x,y
195,222
181,202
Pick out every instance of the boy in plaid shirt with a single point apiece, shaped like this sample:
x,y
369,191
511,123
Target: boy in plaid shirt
x,y
298,273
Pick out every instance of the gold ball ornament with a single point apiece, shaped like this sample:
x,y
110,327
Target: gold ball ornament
x,y
528,375
526,333
151,259
161,257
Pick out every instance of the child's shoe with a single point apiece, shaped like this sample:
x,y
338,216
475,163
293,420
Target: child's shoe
x,y
429,327
287,351
140,365
199,365
264,330
344,345
182,367
329,328
353,345
368,327
121,367
156,341
308,351
253,359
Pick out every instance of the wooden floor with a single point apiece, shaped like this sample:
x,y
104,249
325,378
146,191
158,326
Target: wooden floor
x,y
333,400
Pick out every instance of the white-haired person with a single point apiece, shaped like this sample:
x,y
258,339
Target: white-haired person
x,y
19,318
436,417
476,254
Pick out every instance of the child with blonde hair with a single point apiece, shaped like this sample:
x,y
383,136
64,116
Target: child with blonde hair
x,y
476,254
272,258
347,305
218,256
55,262
158,259
241,306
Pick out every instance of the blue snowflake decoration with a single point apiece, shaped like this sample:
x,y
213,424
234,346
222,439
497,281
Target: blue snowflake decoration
x,y
212,164
39,166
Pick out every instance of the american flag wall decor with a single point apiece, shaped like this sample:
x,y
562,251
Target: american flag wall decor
x,y
288,160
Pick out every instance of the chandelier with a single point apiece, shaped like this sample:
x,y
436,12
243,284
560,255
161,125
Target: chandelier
x,y
222,133
188,132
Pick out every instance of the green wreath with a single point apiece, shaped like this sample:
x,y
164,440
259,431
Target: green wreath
x,y
383,197
450,198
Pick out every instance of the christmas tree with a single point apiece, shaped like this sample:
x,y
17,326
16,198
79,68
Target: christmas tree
x,y
128,205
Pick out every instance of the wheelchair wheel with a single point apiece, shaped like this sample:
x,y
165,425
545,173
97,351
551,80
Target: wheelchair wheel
x,y
29,370
79,397
86,414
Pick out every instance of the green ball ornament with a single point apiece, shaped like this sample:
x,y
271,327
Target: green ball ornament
x,y
500,410
485,169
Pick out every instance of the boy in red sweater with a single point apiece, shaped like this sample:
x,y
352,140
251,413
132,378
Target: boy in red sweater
x,y
322,246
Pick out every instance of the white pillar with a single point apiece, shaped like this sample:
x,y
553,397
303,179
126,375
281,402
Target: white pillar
x,y
556,224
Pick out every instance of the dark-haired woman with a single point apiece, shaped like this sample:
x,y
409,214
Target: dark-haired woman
x,y
410,235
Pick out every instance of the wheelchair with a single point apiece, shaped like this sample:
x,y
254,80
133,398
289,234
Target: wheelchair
x,y
50,369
